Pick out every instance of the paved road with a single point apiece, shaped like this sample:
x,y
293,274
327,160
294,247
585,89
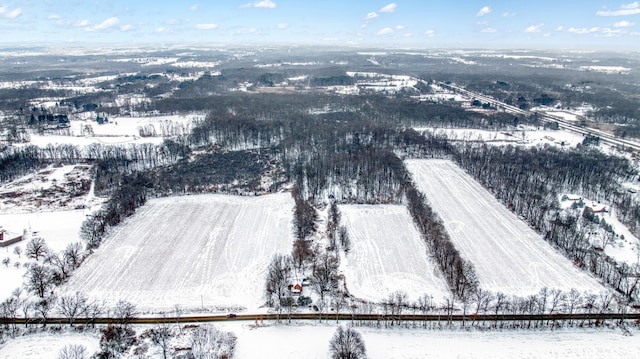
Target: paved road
x,y
343,317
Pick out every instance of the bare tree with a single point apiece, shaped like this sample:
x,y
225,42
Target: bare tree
x,y
72,306
36,248
124,312
347,344
72,351
207,342
17,250
161,336
325,274
73,255
278,278
39,279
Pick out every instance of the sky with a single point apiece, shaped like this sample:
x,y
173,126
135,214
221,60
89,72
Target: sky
x,y
564,24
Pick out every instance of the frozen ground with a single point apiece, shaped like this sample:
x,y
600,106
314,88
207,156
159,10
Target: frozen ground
x,y
509,256
58,230
625,247
208,251
387,255
47,346
524,136
311,340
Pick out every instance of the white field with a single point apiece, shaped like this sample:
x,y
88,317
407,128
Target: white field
x,y
192,251
508,255
58,229
311,340
526,136
388,255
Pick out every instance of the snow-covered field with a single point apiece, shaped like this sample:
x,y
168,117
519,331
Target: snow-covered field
x,y
47,346
388,255
208,251
509,256
311,340
524,136
59,229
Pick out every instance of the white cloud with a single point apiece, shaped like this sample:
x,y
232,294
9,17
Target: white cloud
x,y
430,33
194,7
81,23
105,25
484,11
489,30
583,30
126,27
371,15
162,30
365,24
385,31
283,25
399,27
206,26
534,28
560,28
389,8
53,17
11,14
627,9
408,34
624,23
509,14
265,4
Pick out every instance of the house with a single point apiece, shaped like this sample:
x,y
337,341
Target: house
x,y
597,208
296,289
8,238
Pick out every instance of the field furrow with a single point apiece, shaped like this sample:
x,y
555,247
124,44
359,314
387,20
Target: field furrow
x,y
509,256
205,250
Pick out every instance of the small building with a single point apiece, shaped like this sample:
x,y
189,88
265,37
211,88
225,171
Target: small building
x,y
597,208
296,289
8,238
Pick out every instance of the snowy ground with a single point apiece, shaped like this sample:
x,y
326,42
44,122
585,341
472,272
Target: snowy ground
x,y
311,340
527,136
208,251
46,345
58,229
509,256
625,247
388,255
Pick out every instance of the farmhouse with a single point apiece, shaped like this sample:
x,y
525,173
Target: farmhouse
x,y
296,289
8,238
597,208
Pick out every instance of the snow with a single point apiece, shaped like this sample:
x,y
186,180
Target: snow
x,y
46,345
312,341
607,69
625,249
59,229
387,255
526,136
201,252
508,255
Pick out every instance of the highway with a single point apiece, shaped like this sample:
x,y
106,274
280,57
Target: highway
x,y
605,137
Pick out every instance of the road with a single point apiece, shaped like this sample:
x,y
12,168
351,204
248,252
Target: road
x,y
342,317
605,137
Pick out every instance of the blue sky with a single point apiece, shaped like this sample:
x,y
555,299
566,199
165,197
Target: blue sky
x,y
567,24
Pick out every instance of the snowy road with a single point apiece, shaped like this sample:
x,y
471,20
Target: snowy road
x,y
508,255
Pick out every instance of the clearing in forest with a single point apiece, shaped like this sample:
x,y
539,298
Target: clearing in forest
x,y
508,255
387,254
208,251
